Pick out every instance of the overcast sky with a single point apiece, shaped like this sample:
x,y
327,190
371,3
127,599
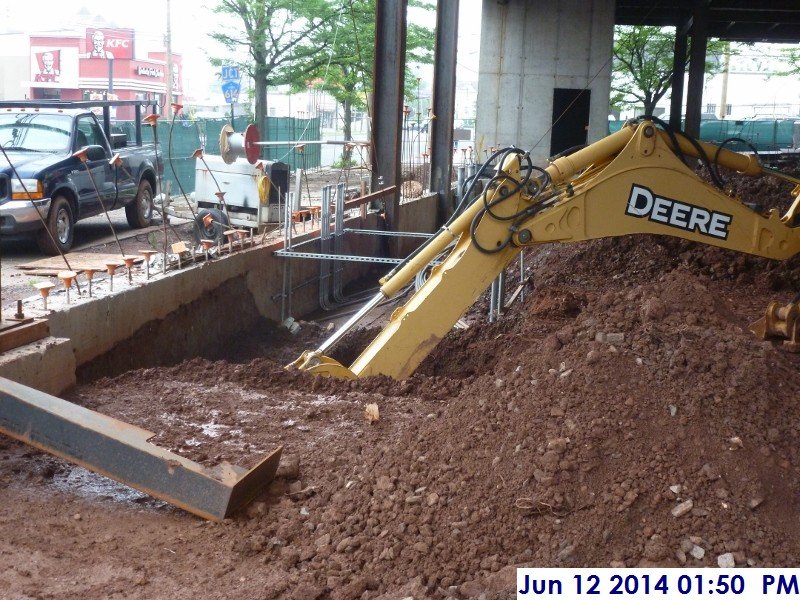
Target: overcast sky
x,y
192,21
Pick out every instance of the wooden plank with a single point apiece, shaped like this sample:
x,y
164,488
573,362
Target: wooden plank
x,y
78,261
515,295
44,272
6,324
24,334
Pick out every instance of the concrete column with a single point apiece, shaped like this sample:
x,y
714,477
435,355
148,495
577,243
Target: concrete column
x,y
527,50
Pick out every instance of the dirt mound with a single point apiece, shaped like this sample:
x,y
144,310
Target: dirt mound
x,y
621,415
572,432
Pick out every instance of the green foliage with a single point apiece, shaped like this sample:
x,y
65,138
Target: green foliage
x,y
327,44
792,58
347,72
643,64
345,161
282,40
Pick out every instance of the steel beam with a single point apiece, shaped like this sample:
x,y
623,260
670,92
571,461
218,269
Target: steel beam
x,y
345,257
387,103
121,451
418,234
444,100
697,69
678,77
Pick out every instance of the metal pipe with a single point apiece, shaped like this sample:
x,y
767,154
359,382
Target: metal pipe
x,y
324,233
501,294
298,186
352,322
492,301
388,233
338,242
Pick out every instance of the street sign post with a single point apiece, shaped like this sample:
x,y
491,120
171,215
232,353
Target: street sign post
x,y
231,85
230,89
230,73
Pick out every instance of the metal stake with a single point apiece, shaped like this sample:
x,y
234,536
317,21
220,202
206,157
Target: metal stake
x,y
66,277
89,274
110,268
44,289
147,254
128,260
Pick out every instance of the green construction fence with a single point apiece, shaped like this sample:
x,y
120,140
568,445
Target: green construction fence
x,y
189,135
765,135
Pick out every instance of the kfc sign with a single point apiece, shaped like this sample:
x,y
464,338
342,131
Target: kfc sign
x,y
109,43
49,66
54,66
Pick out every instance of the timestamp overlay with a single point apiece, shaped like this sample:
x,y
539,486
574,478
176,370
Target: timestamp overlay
x,y
661,584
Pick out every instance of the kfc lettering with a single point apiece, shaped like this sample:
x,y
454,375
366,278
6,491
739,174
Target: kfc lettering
x,y
109,43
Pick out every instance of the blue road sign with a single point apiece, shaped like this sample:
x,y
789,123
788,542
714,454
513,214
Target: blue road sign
x,y
229,73
230,89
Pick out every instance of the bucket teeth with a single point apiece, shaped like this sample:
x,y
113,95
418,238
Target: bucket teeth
x,y
318,364
780,322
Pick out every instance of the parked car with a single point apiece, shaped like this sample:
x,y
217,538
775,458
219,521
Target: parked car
x,y
45,190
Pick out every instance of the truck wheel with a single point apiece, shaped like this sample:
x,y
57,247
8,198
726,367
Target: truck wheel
x,y
213,231
61,225
140,212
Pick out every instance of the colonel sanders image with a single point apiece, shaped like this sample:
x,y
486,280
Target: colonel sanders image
x,y
48,66
98,46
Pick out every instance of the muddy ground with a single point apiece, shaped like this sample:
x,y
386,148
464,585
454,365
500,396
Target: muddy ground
x,y
622,414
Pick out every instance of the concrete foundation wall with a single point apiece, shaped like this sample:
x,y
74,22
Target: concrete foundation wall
x,y
527,50
186,313
48,365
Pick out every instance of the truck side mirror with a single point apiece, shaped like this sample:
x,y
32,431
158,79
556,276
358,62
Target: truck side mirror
x,y
95,152
119,140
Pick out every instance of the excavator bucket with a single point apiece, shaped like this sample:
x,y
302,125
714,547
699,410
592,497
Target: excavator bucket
x,y
780,323
318,364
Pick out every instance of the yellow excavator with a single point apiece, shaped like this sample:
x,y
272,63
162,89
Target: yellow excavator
x,y
633,181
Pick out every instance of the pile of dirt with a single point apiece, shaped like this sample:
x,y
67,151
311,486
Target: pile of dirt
x,y
622,415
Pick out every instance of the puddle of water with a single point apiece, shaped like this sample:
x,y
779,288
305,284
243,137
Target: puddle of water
x,y
213,429
323,400
80,482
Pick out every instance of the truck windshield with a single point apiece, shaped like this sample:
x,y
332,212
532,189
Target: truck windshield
x,y
35,132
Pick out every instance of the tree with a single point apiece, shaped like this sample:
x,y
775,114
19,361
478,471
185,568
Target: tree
x,y
347,75
643,64
792,58
281,39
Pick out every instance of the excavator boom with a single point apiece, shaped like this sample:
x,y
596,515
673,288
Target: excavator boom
x,y
629,182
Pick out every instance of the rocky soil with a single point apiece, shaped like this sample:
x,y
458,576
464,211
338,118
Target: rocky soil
x,y
622,414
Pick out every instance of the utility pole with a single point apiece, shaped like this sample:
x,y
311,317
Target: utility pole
x,y
723,109
169,64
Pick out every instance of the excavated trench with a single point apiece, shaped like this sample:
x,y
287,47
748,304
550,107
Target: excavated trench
x,y
621,414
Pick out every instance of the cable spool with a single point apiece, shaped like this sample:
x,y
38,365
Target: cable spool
x,y
232,145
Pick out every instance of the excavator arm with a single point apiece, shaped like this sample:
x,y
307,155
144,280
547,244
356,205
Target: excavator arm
x,y
629,182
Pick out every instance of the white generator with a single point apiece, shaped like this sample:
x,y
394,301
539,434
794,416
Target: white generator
x,y
254,194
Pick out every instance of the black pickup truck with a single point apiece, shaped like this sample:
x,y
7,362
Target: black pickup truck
x,y
46,188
